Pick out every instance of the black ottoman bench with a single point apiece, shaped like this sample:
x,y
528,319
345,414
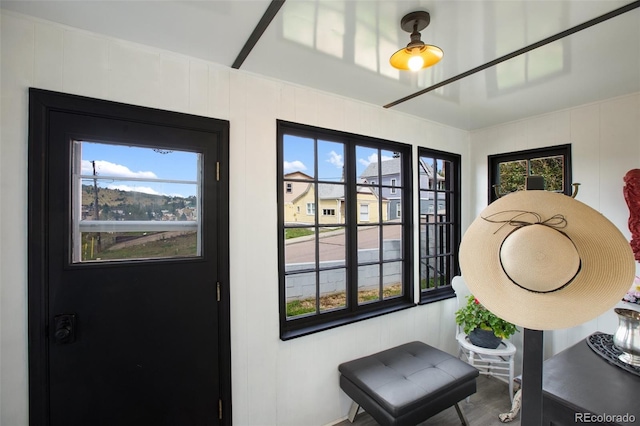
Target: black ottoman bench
x,y
407,384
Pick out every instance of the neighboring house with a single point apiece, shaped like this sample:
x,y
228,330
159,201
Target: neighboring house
x,y
187,213
296,197
293,187
389,175
430,181
167,215
331,207
368,206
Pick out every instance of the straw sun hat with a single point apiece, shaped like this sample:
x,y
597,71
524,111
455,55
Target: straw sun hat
x,y
544,261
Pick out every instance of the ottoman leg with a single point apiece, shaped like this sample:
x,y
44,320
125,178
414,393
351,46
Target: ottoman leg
x,y
463,418
353,411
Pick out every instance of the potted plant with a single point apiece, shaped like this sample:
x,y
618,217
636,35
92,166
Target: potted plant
x,y
483,328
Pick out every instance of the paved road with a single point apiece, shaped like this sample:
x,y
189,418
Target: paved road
x,y
332,244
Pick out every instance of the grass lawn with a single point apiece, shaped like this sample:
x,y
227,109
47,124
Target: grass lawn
x,y
302,232
296,232
430,284
338,300
183,245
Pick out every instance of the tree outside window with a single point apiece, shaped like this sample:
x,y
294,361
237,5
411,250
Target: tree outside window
x,y
508,172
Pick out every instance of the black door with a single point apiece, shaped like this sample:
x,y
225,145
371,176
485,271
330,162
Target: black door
x,y
128,308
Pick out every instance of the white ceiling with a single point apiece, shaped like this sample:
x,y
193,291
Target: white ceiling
x,y
343,47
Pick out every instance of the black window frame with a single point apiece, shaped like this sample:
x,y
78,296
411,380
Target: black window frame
x,y
495,160
448,258
353,312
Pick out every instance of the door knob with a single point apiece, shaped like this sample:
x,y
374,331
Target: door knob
x,y
64,329
63,334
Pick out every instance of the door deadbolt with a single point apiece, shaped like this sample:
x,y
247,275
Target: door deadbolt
x,y
64,329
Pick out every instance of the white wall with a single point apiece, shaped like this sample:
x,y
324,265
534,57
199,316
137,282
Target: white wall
x,y
605,144
274,382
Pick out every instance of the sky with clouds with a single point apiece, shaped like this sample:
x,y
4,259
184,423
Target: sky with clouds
x,y
127,164
300,155
140,169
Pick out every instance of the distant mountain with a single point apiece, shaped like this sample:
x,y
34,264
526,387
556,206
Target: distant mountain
x,y
132,205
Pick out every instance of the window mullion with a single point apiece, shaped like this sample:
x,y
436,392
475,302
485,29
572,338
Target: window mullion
x,y
351,224
316,220
381,259
379,190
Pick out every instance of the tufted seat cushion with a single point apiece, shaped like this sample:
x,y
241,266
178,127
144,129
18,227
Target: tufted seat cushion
x,y
404,384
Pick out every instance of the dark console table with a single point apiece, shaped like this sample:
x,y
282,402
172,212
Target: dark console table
x,y
578,381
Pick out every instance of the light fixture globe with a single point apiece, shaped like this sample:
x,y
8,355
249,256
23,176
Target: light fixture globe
x,y
416,55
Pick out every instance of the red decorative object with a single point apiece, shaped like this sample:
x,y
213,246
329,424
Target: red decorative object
x,y
632,197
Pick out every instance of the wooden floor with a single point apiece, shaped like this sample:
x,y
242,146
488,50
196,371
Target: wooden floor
x,y
491,399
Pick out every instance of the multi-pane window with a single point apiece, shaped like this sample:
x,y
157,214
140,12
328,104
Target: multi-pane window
x,y
439,180
508,172
350,258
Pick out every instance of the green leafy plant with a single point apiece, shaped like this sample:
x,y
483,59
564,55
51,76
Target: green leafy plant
x,y
473,315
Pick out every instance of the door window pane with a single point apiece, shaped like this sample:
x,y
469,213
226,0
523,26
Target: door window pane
x,y
134,203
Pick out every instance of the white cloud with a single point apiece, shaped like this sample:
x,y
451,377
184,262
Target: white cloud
x,y
105,168
372,158
129,188
335,159
293,166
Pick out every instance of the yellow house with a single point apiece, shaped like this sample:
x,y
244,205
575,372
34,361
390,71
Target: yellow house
x,y
368,211
295,195
300,204
293,186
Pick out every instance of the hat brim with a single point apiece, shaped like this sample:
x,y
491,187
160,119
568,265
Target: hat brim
x,y
606,273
